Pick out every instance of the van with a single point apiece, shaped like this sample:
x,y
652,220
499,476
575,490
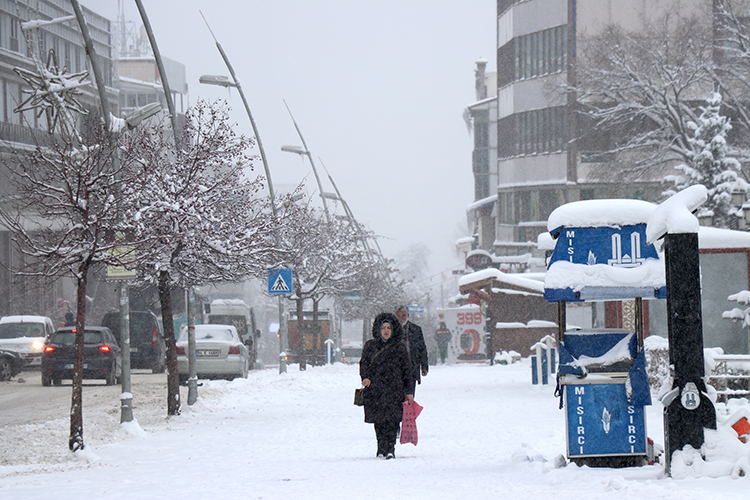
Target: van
x,y
147,347
26,335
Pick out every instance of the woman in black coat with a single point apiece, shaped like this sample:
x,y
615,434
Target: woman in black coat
x,y
385,370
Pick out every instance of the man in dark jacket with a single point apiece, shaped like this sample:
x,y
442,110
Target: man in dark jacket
x,y
386,375
414,340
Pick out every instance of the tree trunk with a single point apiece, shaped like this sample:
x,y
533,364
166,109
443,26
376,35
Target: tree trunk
x,y
173,377
315,333
301,335
75,442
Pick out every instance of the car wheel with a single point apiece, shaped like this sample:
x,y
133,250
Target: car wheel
x,y
159,367
6,369
46,380
57,381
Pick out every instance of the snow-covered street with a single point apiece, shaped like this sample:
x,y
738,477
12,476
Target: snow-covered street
x,y
485,432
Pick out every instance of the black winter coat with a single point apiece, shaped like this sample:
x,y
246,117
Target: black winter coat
x,y
389,373
418,349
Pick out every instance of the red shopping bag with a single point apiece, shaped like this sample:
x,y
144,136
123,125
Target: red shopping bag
x,y
409,423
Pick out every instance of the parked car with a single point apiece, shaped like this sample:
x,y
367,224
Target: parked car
x,y
219,352
26,336
351,353
11,364
101,356
147,347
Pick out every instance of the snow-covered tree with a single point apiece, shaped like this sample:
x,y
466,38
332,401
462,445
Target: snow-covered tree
x,y
638,90
328,259
738,314
710,166
205,221
67,220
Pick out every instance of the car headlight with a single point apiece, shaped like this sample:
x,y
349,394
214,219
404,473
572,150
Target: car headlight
x,y
37,346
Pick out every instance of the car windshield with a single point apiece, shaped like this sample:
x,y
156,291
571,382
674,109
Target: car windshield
x,y
208,334
16,330
69,338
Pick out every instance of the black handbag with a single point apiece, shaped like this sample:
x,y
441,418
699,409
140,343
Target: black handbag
x,y
359,396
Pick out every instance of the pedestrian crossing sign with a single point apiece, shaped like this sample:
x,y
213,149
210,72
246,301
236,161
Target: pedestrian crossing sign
x,y
280,281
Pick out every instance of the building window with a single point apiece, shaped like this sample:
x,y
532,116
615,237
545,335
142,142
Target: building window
x,y
14,34
533,55
532,132
2,101
503,5
13,99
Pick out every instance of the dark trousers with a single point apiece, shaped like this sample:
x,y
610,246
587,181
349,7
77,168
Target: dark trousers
x,y
442,353
386,434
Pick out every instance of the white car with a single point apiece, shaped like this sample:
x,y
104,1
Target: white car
x,y
219,353
26,335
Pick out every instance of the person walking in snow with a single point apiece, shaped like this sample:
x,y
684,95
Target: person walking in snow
x,y
386,374
443,338
414,340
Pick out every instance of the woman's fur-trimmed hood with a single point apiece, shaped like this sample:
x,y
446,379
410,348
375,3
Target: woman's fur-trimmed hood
x,y
398,331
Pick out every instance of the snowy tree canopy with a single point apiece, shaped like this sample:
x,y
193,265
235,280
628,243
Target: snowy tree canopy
x,y
204,220
637,92
710,166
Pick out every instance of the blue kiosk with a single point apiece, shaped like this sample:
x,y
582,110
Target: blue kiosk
x,y
601,254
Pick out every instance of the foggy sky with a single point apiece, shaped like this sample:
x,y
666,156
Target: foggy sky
x,y
377,88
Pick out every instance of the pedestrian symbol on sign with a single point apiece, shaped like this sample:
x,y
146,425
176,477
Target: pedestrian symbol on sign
x,y
280,285
280,281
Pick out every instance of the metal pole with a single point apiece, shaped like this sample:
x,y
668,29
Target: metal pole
x,y
162,71
309,156
126,398
282,348
690,411
266,168
236,83
94,66
193,380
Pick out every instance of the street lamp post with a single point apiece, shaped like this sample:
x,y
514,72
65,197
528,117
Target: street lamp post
x,y
224,81
304,151
131,121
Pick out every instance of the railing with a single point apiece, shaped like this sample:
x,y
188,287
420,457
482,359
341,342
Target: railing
x,y
731,376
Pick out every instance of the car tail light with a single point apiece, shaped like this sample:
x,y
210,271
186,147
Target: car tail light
x,y
180,349
48,348
104,348
155,338
234,349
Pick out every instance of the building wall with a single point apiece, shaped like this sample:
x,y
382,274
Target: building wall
x,y
537,171
21,131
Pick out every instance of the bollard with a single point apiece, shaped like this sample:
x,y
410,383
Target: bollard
x,y
329,351
543,361
282,362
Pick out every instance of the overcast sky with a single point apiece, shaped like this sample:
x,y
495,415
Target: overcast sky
x,y
377,88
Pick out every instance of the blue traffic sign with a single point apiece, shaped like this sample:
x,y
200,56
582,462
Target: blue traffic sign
x,y
280,281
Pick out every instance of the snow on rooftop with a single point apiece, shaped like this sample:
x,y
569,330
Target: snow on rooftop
x,y
511,279
600,213
714,238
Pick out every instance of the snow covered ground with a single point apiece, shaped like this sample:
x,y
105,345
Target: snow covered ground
x,y
485,432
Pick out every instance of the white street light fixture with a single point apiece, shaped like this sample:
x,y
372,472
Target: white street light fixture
x,y
295,149
136,117
220,80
